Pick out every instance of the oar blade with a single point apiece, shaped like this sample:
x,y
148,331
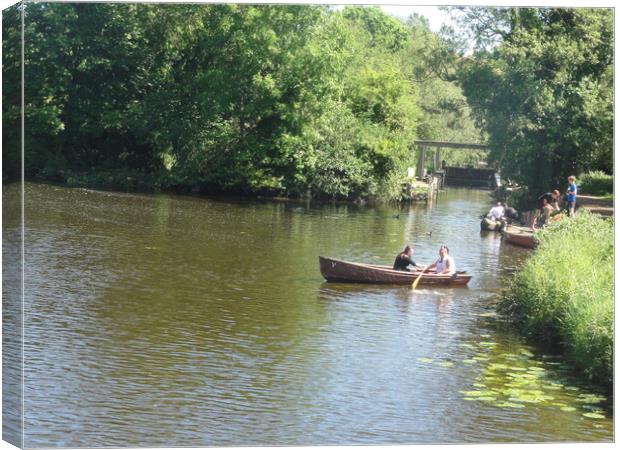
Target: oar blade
x,y
417,280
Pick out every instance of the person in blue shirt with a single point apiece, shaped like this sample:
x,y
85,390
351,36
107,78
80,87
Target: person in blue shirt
x,y
571,195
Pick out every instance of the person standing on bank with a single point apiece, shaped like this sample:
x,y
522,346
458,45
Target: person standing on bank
x,y
403,259
571,195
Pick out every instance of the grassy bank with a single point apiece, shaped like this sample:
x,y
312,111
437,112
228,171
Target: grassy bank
x,y
564,293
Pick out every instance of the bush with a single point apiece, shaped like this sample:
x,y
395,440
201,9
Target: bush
x,y
522,199
596,183
564,293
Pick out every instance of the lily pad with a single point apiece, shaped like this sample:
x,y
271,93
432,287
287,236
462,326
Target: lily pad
x,y
445,364
487,399
568,408
509,405
470,361
592,415
525,399
476,393
497,366
590,398
466,345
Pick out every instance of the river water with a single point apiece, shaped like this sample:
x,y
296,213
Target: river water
x,y
158,320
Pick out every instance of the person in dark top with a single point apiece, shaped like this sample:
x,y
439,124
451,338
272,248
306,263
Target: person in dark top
x,y
403,260
544,207
511,214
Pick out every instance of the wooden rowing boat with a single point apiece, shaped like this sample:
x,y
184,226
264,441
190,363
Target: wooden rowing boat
x,y
350,272
522,237
487,224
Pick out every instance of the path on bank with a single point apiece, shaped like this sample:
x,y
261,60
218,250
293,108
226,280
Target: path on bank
x,y
596,205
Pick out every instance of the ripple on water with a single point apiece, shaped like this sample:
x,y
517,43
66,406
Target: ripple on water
x,y
174,321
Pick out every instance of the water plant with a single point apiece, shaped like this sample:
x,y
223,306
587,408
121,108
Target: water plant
x,y
564,293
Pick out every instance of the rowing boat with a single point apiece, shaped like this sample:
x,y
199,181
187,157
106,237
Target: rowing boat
x,y
487,224
522,237
350,272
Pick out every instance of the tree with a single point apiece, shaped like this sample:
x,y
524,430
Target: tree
x,y
544,91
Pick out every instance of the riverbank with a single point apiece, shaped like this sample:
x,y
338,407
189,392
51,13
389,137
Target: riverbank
x,y
564,294
406,190
602,206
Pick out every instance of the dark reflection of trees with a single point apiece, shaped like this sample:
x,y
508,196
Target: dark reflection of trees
x,y
12,318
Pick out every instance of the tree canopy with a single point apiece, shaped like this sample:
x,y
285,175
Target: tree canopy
x,y
540,83
298,99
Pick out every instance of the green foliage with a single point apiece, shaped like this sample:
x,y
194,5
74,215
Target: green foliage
x,y
596,183
11,93
429,63
523,199
542,89
565,292
228,97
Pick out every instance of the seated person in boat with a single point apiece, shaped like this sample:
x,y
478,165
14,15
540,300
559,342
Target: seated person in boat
x,y
497,212
403,259
511,214
445,264
544,208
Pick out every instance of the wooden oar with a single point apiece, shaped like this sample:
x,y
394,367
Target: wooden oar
x,y
417,280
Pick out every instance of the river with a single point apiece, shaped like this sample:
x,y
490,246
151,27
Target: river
x,y
160,320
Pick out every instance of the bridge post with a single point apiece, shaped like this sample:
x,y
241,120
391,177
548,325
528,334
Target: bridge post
x,y
420,165
437,158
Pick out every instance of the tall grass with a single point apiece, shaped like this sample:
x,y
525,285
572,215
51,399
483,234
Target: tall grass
x,y
564,293
596,183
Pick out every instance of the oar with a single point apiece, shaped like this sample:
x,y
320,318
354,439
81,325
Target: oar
x,y
417,280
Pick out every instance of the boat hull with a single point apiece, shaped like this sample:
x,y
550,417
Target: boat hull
x,y
348,272
520,237
490,225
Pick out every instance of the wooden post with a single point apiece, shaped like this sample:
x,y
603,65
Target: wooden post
x,y
420,165
437,159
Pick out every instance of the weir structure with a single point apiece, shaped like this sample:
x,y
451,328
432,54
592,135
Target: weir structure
x,y
463,176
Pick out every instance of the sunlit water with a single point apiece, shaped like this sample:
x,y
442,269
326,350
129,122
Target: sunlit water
x,y
179,321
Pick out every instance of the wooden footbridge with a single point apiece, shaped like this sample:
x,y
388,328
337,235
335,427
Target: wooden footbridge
x,y
463,176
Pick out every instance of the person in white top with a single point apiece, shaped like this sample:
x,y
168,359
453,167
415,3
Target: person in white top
x,y
497,212
445,264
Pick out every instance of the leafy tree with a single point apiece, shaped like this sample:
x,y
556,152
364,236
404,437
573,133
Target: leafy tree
x,y
11,93
543,90
241,98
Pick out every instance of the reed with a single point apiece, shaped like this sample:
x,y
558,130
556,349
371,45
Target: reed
x,y
564,293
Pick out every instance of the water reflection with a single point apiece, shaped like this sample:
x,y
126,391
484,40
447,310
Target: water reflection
x,y
175,321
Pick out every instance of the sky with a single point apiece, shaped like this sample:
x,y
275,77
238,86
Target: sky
x,y
435,17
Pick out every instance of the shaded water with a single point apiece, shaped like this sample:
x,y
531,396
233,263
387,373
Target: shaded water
x,y
176,321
